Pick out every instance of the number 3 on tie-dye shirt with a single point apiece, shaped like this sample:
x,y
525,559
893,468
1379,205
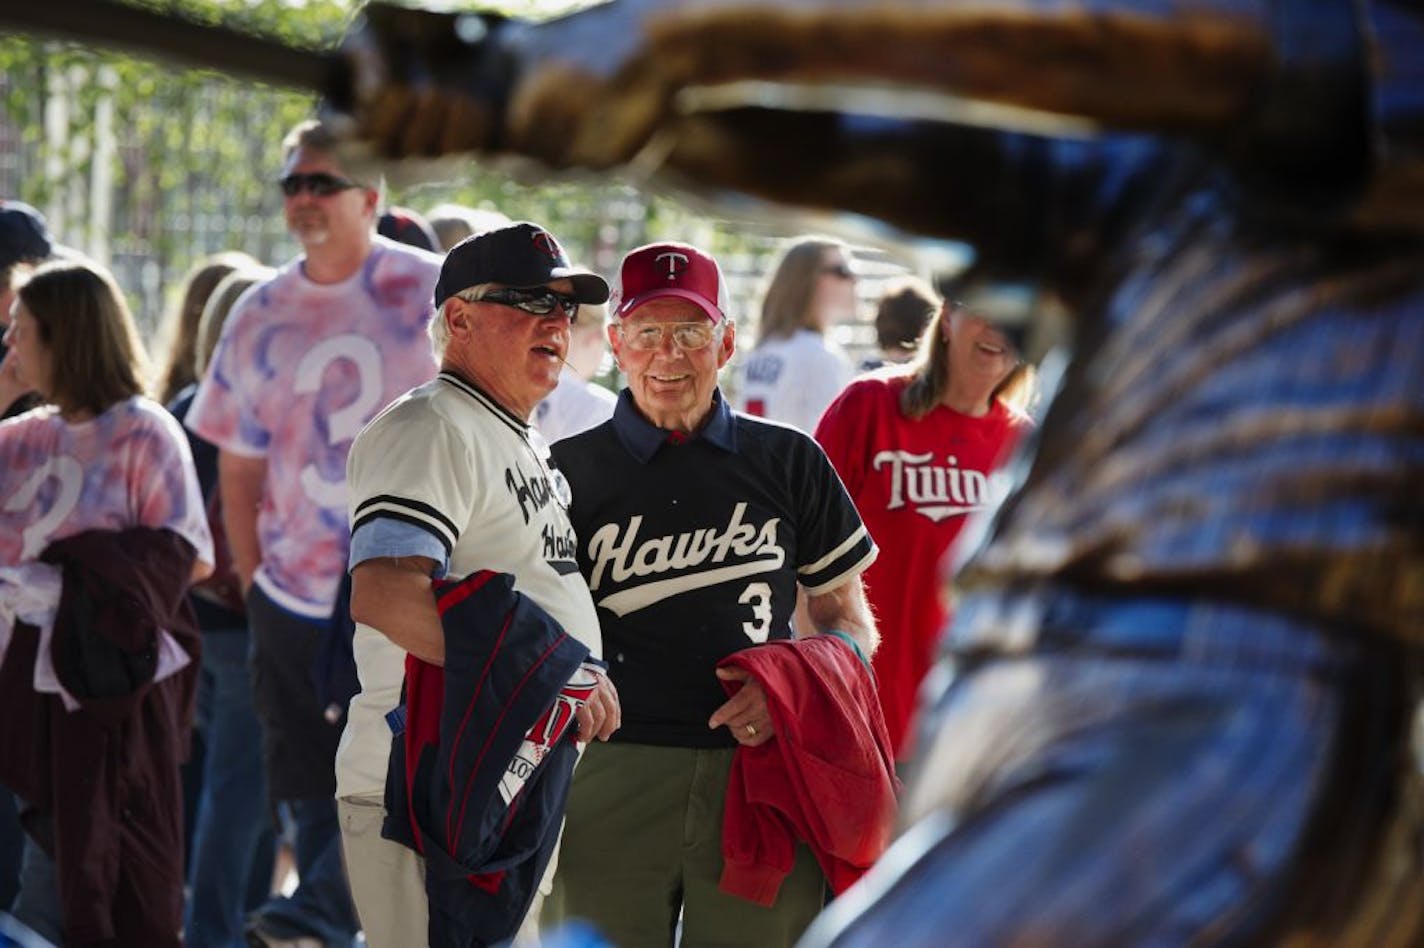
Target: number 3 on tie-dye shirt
x,y
343,423
67,477
128,467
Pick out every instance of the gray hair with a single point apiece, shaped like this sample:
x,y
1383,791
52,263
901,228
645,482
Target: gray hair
x,y
439,328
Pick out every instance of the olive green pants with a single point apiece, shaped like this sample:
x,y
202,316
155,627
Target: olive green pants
x,y
643,841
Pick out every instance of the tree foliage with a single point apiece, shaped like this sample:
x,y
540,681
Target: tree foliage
x,y
194,155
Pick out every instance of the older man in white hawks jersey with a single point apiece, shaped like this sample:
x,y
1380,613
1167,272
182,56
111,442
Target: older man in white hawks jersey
x,y
451,480
696,526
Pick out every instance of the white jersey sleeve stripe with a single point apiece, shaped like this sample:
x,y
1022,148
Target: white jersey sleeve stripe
x,y
845,575
832,556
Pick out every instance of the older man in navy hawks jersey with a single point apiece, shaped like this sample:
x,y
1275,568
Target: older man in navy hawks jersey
x,y
695,526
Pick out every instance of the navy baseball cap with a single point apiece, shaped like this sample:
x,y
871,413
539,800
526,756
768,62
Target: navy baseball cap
x,y
406,226
521,255
24,235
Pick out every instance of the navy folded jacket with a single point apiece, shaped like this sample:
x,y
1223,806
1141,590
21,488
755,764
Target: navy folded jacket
x,y
506,661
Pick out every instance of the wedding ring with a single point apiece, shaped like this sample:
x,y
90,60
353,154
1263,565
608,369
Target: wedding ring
x,y
751,730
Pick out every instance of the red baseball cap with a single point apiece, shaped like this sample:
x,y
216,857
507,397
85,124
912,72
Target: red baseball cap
x,y
678,270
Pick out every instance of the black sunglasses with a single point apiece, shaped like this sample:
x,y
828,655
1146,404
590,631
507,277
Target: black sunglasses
x,y
539,302
840,270
319,183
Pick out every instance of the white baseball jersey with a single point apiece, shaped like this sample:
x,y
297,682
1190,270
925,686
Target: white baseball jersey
x,y
573,406
448,473
792,380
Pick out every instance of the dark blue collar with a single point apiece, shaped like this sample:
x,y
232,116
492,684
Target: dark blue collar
x,y
642,438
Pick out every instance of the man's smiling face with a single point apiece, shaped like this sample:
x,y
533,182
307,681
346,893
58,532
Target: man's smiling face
x,y
672,386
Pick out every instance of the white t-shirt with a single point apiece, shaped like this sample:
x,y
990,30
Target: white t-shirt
x,y
448,473
300,367
572,407
793,379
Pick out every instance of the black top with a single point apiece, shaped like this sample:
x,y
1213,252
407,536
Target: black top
x,y
692,549
212,616
20,405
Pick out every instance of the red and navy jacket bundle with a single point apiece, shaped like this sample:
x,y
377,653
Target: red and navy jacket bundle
x,y
481,764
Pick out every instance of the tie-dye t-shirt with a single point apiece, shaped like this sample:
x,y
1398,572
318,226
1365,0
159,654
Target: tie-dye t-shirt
x,y
128,467
299,370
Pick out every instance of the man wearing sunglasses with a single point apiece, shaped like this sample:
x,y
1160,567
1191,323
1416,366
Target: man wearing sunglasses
x,y
449,481
696,526
304,361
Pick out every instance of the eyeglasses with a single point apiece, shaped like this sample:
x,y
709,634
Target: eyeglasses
x,y
319,183
540,302
840,270
689,337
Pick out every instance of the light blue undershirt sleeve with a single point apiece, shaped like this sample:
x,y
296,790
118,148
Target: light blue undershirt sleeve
x,y
386,536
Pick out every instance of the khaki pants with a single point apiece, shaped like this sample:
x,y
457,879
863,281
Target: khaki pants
x,y
387,879
642,842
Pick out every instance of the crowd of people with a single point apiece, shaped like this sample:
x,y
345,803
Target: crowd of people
x,y
474,645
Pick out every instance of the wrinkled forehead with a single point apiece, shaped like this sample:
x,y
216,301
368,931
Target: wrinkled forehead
x,y
666,309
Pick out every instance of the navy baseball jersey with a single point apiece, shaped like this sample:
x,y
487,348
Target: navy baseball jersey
x,y
693,548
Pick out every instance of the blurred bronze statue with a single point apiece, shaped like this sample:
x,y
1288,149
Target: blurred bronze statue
x,y
1181,685
1184,671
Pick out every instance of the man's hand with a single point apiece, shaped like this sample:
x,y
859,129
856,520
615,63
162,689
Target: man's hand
x,y
241,482
745,713
600,715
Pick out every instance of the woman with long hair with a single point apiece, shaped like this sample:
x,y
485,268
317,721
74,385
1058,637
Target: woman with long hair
x,y
101,506
230,858
180,330
917,447
795,370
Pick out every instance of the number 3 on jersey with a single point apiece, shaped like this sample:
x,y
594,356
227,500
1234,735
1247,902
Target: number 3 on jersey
x,y
758,596
344,423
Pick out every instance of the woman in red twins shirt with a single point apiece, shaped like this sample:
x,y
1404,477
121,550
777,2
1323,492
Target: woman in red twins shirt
x,y
917,447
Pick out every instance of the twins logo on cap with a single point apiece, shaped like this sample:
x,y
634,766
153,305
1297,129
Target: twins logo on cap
x,y
549,247
676,262
521,254
660,271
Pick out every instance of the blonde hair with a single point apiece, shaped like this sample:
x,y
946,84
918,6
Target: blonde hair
x,y
786,305
592,318
13,275
929,373
219,306
180,332
96,356
454,222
